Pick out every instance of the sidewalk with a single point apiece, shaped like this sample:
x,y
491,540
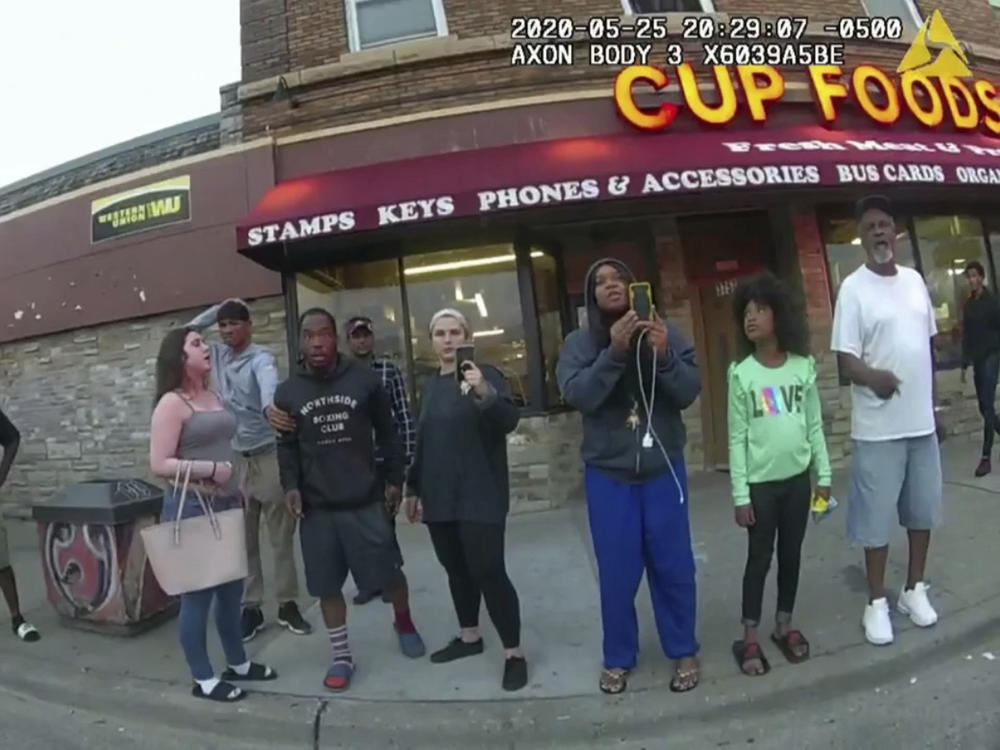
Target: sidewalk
x,y
551,563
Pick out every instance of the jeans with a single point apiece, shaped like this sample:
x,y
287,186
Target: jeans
x,y
193,620
781,509
472,555
984,373
640,528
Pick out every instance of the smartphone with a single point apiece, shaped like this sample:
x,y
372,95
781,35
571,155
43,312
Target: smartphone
x,y
640,298
463,354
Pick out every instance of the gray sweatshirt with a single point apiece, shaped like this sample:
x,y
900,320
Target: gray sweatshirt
x,y
604,386
247,381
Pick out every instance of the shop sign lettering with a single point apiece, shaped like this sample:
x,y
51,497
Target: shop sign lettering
x,y
916,166
932,101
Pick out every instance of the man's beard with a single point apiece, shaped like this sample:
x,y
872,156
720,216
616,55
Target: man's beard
x,y
882,254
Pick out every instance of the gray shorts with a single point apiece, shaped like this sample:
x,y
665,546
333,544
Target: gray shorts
x,y
359,541
893,477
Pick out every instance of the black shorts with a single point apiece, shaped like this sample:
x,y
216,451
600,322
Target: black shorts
x,y
359,541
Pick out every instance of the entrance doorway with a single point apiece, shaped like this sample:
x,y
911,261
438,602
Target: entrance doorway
x,y
720,251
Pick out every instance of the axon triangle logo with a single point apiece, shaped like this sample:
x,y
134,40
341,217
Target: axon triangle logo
x,y
951,60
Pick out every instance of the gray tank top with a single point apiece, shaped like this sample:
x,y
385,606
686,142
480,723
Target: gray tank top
x,y
207,436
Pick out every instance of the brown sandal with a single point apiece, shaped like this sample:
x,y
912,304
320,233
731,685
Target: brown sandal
x,y
685,680
613,681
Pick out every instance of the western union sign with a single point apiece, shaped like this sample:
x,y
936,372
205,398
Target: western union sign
x,y
141,209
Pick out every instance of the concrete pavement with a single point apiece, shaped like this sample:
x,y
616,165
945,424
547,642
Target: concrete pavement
x,y
551,564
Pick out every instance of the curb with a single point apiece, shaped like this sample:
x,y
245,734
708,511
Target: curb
x,y
291,721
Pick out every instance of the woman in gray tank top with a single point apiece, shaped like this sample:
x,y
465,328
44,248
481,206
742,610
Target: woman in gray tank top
x,y
191,425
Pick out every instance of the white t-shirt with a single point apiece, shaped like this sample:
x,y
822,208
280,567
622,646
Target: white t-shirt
x,y
887,322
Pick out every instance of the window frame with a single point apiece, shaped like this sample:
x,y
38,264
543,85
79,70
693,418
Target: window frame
x,y
537,401
911,8
354,36
910,209
707,6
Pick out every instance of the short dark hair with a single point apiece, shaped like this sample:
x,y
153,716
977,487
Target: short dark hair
x,y
872,201
976,266
232,310
318,311
790,325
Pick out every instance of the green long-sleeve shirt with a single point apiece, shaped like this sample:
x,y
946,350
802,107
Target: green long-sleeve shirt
x,y
775,424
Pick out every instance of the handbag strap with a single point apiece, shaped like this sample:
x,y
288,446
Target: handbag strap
x,y
206,507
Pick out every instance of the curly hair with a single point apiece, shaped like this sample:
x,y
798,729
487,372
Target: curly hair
x,y
790,326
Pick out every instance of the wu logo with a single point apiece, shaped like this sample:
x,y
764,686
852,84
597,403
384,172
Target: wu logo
x,y
951,60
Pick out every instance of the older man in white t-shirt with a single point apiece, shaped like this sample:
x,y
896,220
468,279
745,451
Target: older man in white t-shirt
x,y
882,329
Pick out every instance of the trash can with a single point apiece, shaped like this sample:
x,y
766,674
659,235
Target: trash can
x,y
93,558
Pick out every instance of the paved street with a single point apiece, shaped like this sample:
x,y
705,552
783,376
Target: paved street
x,y
932,688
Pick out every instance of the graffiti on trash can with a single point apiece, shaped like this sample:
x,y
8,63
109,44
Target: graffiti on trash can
x,y
81,563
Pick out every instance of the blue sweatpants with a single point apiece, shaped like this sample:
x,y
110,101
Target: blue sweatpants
x,y
637,527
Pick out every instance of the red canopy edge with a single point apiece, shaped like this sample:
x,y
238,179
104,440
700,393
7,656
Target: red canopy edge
x,y
498,180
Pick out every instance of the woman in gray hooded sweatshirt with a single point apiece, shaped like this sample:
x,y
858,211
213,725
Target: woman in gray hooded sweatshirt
x,y
631,379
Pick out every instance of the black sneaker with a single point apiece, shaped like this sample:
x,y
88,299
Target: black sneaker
x,y
290,617
984,468
251,623
457,649
364,597
515,673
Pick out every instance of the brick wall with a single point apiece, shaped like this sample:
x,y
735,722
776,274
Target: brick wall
x,y
82,400
177,142
404,79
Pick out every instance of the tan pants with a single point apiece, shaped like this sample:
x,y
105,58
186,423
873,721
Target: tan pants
x,y
259,476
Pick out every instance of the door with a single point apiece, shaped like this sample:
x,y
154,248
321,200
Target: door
x,y
720,350
720,251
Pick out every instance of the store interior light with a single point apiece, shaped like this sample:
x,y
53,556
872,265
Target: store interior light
x,y
481,304
488,332
458,265
856,241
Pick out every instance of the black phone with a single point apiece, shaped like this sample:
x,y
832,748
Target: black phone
x,y
463,354
640,297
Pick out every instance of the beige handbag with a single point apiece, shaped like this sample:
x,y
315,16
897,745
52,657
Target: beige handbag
x,y
190,554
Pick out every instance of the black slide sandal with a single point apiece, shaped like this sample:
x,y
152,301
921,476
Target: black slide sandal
x,y
223,693
744,652
787,644
257,673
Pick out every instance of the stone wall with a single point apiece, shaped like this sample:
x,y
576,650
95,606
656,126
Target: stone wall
x,y
82,399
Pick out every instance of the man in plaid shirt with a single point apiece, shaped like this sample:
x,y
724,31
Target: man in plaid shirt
x,y
361,342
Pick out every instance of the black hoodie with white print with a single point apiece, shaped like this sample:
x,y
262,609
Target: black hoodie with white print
x,y
330,456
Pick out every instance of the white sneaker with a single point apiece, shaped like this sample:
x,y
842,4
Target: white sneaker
x,y
916,604
876,622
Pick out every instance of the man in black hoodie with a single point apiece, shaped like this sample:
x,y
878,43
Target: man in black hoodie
x,y
981,349
328,472
630,379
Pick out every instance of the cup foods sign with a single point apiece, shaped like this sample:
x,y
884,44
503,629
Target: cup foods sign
x,y
932,101
142,209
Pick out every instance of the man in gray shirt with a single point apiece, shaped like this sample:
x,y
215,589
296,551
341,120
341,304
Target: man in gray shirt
x,y
246,375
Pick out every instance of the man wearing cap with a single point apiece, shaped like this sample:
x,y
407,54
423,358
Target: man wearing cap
x,y
361,342
246,375
882,329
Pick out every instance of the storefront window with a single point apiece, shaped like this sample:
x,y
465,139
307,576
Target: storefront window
x,y
947,244
550,324
481,282
369,289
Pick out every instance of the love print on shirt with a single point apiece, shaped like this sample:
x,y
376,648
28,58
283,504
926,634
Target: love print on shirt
x,y
773,401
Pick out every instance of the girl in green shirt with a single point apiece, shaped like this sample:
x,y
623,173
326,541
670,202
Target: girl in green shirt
x,y
775,435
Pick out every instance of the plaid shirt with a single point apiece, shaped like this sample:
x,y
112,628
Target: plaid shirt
x,y
392,380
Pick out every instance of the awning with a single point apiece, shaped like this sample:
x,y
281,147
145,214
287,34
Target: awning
x,y
496,181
